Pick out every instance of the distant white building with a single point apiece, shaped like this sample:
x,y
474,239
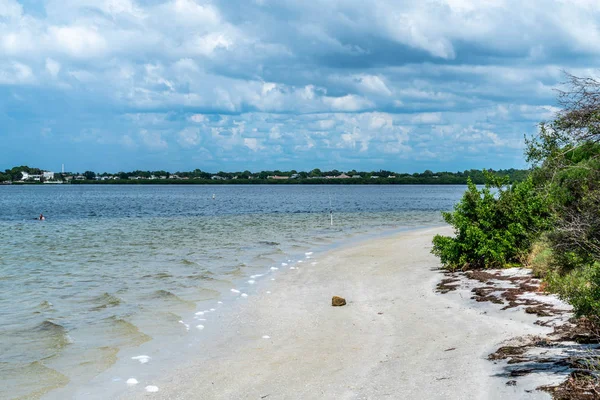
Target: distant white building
x,y
30,177
47,175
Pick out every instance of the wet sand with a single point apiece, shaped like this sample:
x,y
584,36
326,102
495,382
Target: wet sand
x,y
395,339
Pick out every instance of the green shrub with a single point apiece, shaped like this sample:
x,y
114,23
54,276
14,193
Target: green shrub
x,y
494,227
580,287
541,258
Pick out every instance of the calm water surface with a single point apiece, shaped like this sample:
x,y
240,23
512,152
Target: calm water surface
x,y
116,267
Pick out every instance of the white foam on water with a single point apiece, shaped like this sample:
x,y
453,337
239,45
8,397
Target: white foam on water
x,y
310,253
272,279
219,302
256,276
200,319
314,263
266,337
200,327
151,389
212,310
141,359
235,291
289,260
252,281
187,327
199,313
268,292
132,381
284,264
274,268
300,261
292,267
244,295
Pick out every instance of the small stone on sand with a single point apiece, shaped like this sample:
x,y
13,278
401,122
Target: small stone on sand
x,y
337,301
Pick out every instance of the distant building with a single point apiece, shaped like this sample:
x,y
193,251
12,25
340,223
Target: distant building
x,y
48,175
356,176
342,176
374,177
217,178
30,177
278,177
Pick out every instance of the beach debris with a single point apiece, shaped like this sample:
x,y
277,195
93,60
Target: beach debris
x,y
511,383
450,349
337,301
132,381
448,285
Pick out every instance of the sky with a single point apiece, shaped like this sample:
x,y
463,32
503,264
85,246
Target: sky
x,y
402,85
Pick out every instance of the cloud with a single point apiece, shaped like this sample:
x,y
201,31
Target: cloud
x,y
335,81
53,67
153,140
16,73
189,137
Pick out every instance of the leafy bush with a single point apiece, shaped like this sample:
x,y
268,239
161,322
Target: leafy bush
x,y
580,287
494,227
541,258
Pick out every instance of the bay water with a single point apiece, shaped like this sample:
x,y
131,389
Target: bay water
x,y
114,268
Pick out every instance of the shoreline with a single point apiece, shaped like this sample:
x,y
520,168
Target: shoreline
x,y
396,338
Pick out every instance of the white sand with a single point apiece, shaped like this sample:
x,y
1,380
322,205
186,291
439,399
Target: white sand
x,y
291,344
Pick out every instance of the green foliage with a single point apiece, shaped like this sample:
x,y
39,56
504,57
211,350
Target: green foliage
x,y
494,227
541,258
580,287
313,177
566,157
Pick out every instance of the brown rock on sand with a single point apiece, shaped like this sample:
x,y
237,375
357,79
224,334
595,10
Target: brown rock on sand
x,y
337,301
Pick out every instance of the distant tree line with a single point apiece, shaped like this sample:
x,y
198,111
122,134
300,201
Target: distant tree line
x,y
16,173
314,176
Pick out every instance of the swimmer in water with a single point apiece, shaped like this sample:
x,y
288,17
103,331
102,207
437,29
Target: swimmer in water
x,y
42,218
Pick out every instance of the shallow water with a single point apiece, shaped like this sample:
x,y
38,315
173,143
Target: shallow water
x,y
115,267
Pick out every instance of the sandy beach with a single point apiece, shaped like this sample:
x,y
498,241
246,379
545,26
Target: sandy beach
x,y
395,339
